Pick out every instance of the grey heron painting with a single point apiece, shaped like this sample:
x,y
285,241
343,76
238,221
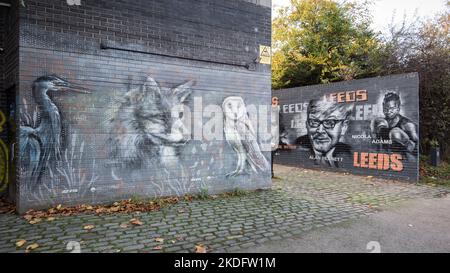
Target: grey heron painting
x,y
41,145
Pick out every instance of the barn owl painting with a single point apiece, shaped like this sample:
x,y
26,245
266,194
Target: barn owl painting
x,y
242,138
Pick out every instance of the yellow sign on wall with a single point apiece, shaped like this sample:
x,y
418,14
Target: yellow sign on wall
x,y
265,54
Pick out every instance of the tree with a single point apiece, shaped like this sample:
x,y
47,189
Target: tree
x,y
320,41
424,47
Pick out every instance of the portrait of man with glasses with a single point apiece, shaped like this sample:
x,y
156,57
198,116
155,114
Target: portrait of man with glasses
x,y
326,124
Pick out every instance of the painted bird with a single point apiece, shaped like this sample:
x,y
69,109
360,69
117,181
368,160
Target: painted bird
x,y
242,138
42,145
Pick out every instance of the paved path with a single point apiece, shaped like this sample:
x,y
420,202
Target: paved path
x,y
419,226
300,201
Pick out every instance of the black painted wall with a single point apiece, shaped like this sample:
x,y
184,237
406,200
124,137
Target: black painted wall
x,y
134,59
368,127
3,15
9,59
3,132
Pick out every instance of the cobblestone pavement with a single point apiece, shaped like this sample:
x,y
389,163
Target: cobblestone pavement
x,y
300,200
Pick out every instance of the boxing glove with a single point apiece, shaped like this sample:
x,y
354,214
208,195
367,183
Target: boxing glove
x,y
380,128
399,136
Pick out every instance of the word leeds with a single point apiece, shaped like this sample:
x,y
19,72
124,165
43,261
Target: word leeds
x,y
378,161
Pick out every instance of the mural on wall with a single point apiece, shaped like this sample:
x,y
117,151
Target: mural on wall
x,y
144,147
372,128
40,142
136,136
4,161
399,132
146,125
146,136
241,136
326,125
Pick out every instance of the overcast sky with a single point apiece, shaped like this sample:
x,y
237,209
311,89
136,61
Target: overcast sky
x,y
383,10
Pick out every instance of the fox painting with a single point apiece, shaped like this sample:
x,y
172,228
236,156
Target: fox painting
x,y
146,125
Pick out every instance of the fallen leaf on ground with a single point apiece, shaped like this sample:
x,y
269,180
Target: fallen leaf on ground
x,y
35,221
6,207
200,249
126,206
159,240
179,238
158,247
99,210
188,198
89,227
32,247
173,241
50,219
20,243
124,225
136,222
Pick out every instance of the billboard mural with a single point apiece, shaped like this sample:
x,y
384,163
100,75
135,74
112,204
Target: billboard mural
x,y
368,126
142,108
151,143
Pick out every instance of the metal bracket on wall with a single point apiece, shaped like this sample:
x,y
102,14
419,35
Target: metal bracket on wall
x,y
104,46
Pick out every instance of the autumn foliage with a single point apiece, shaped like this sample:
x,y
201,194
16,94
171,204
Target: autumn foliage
x,y
322,41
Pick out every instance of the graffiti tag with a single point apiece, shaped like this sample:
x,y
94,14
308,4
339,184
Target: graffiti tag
x,y
3,157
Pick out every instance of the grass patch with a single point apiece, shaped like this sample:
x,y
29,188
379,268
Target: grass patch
x,y
365,199
434,176
239,192
203,194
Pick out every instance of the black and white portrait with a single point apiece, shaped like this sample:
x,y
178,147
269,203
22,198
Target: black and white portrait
x,y
399,131
326,124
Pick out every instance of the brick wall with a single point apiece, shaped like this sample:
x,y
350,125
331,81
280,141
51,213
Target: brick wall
x,y
210,48
3,12
3,133
267,3
363,139
9,42
3,17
